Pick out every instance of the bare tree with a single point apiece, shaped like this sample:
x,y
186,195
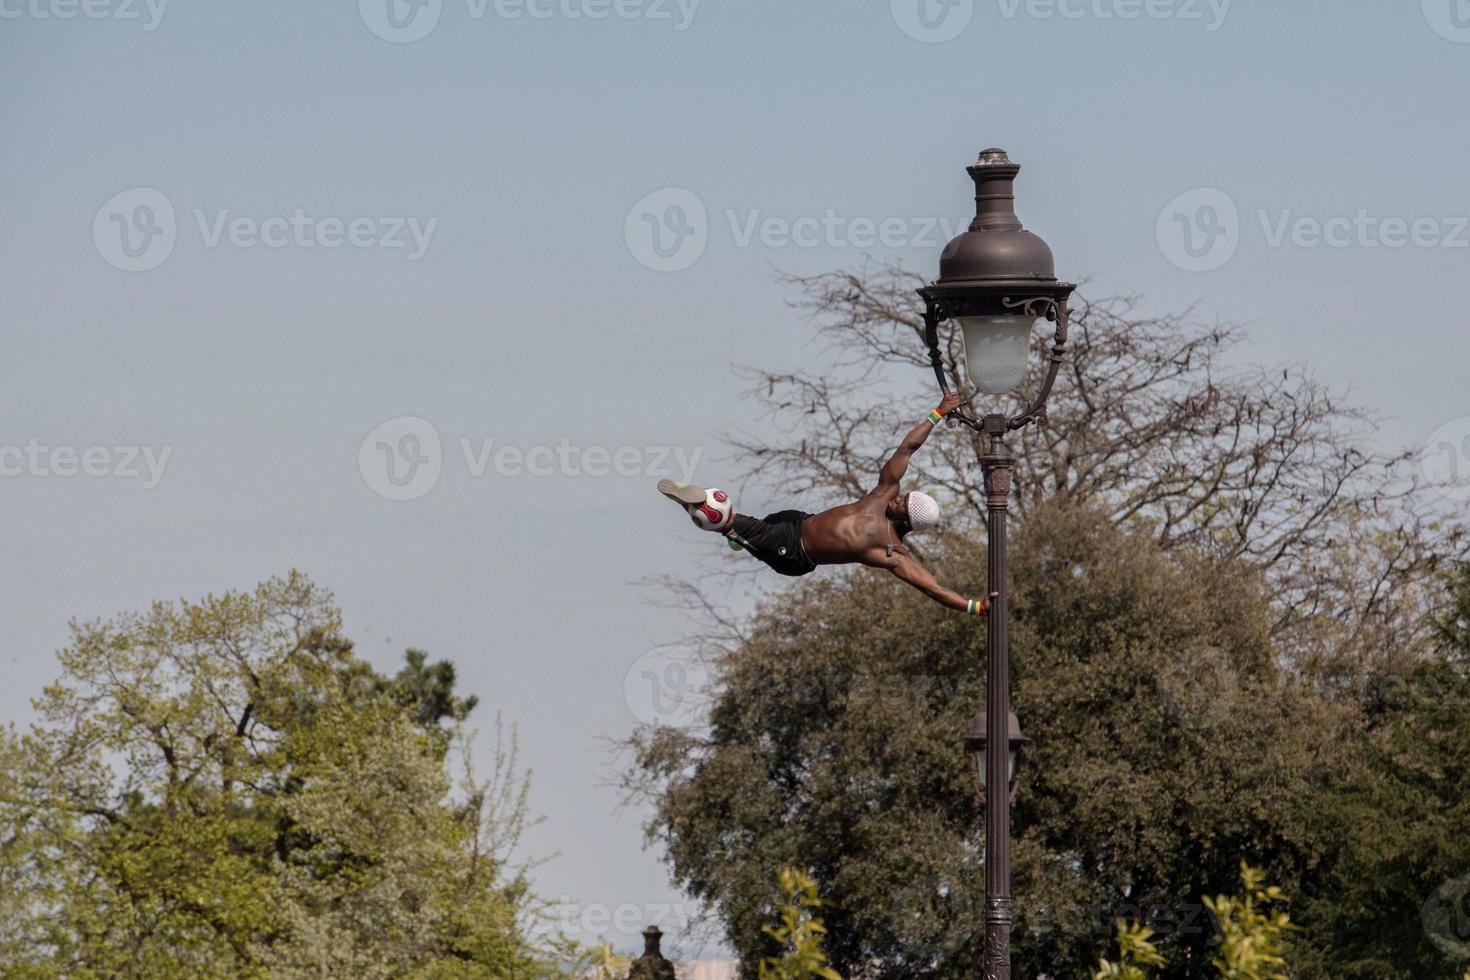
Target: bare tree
x,y
1152,420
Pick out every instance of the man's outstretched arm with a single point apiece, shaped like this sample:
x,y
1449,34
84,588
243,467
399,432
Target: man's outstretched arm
x,y
894,469
920,578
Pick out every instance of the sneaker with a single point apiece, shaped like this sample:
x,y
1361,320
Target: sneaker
x,y
681,493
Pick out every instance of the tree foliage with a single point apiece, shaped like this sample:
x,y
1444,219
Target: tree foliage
x,y
1229,612
835,741
1396,904
1135,952
221,788
1253,929
799,933
1252,933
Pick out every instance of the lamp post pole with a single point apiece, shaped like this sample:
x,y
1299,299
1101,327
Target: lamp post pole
x,y
996,465
995,282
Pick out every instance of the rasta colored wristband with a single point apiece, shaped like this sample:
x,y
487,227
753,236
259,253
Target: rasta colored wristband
x,y
935,418
977,608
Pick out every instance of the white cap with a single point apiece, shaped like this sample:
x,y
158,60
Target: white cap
x,y
923,511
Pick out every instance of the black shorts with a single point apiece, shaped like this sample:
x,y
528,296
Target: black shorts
x,y
776,540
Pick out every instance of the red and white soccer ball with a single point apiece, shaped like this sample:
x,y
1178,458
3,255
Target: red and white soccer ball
x,y
717,512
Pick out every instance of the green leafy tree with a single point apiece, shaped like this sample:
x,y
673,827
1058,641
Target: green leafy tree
x,y
1233,651
1135,952
799,934
427,691
1253,930
607,965
1394,901
835,743
222,789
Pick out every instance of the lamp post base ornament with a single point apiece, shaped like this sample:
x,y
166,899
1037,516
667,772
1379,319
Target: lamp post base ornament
x,y
997,939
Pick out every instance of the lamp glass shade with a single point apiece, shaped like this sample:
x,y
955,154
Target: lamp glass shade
x,y
1010,766
996,350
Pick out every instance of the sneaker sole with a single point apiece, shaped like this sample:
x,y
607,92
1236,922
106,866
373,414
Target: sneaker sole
x,y
681,493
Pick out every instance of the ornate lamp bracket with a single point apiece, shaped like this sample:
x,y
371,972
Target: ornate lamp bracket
x,y
1054,309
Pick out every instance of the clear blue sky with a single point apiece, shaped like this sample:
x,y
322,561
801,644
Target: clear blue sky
x,y
531,315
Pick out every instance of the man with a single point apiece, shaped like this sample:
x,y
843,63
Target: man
x,y
869,531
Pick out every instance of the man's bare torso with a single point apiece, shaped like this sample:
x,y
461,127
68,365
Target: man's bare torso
x,y
855,532
869,531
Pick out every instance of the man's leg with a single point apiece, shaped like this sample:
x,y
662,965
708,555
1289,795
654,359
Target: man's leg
x,y
775,540
757,535
689,496
777,535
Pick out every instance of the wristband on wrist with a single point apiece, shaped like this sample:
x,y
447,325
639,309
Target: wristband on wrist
x,y
935,418
976,607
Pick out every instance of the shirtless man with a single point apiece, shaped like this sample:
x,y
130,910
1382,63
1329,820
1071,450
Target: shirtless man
x,y
868,531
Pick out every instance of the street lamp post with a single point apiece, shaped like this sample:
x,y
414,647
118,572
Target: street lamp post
x,y
996,281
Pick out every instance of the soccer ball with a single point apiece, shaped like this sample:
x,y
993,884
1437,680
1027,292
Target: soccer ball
x,y
717,512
